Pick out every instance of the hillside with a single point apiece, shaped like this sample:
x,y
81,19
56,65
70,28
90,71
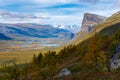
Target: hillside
x,y
33,30
4,37
81,36
97,57
23,36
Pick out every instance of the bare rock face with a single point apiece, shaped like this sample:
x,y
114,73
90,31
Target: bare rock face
x,y
90,21
64,72
115,59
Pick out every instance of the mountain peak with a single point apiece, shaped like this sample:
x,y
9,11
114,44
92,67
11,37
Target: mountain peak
x,y
72,28
90,20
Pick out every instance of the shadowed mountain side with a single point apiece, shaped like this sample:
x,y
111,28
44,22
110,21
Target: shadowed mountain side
x,y
34,30
4,37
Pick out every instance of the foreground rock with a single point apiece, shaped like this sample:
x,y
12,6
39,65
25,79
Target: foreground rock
x,y
64,72
115,60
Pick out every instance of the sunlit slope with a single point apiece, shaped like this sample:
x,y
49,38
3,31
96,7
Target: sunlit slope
x,y
81,36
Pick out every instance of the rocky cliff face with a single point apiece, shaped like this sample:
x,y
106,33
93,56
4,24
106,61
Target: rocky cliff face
x,y
90,21
115,59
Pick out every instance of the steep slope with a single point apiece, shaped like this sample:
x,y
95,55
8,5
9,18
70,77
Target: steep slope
x,y
90,21
73,58
34,30
4,37
81,36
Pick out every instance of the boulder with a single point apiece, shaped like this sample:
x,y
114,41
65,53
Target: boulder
x,y
64,72
115,59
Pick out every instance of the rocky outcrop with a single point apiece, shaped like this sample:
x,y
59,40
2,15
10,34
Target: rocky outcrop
x,y
115,59
90,21
64,72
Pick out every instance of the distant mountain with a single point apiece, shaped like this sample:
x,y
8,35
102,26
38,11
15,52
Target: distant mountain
x,y
71,28
90,21
112,20
4,37
34,30
97,55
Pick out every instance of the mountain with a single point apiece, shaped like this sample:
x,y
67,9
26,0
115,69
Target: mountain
x,y
97,56
34,30
90,21
94,57
4,37
71,28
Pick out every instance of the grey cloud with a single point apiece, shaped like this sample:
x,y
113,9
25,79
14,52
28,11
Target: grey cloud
x,y
89,1
18,17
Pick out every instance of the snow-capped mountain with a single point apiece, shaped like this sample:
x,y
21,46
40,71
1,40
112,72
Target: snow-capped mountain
x,y
71,28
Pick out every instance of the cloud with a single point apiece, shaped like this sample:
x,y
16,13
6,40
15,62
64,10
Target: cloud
x,y
89,1
12,17
118,2
54,11
53,1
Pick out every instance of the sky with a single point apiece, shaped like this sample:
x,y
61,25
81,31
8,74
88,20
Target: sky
x,y
65,12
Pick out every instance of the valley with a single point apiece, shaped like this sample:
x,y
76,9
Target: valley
x,y
32,36
60,40
32,43
25,39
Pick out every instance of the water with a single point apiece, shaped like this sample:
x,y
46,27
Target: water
x,y
50,45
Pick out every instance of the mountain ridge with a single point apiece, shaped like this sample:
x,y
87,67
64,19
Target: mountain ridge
x,y
90,21
4,37
33,30
88,27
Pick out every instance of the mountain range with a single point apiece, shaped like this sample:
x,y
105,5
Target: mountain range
x,y
96,55
72,28
33,30
4,37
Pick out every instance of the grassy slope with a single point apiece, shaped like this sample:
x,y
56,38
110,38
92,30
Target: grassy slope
x,y
21,56
73,60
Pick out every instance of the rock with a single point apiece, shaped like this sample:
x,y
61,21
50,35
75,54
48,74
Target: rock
x,y
115,59
90,21
64,72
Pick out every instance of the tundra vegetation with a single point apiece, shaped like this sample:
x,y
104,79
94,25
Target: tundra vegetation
x,y
88,60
